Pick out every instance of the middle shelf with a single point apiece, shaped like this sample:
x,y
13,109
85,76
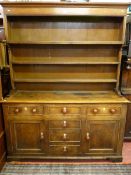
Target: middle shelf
x,y
66,60
64,73
64,54
64,78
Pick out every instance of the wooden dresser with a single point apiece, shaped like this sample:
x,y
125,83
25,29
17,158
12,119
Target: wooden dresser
x,y
65,63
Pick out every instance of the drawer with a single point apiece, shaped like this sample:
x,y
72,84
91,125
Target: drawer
x,y
104,110
64,124
25,110
63,109
58,135
64,150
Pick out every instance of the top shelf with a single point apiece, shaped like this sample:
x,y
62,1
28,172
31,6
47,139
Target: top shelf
x,y
69,42
64,30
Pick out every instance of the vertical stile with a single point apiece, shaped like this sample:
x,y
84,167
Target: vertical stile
x,y
11,68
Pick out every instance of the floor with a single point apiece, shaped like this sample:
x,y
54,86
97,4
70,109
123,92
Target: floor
x,y
16,166
127,152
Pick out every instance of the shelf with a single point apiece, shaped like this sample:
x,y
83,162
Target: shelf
x,y
69,42
66,60
64,77
66,86
64,30
66,80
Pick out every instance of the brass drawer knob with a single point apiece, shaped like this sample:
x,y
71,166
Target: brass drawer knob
x,y
17,110
42,135
129,59
25,108
34,110
65,124
65,149
64,136
95,111
113,111
64,110
128,67
87,136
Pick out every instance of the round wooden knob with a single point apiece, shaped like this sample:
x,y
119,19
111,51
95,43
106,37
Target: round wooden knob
x,y
64,110
113,111
95,111
25,108
17,110
34,110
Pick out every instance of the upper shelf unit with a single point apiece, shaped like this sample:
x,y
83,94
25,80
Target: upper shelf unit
x,y
65,46
64,30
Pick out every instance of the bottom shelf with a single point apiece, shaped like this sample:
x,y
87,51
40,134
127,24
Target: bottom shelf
x,y
64,86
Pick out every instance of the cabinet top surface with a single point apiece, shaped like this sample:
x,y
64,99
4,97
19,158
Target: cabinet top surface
x,y
46,2
64,97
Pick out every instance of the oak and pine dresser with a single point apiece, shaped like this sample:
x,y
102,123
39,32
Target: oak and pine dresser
x,y
65,61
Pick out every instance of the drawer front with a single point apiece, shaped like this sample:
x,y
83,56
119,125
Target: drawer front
x,y
58,135
25,110
65,124
64,150
63,109
103,110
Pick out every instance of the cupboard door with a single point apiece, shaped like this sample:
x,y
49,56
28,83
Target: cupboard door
x,y
27,136
101,136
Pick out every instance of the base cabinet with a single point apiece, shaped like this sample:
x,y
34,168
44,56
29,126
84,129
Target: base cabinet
x,y
64,131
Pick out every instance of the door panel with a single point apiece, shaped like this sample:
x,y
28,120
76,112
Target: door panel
x,y
28,136
101,136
